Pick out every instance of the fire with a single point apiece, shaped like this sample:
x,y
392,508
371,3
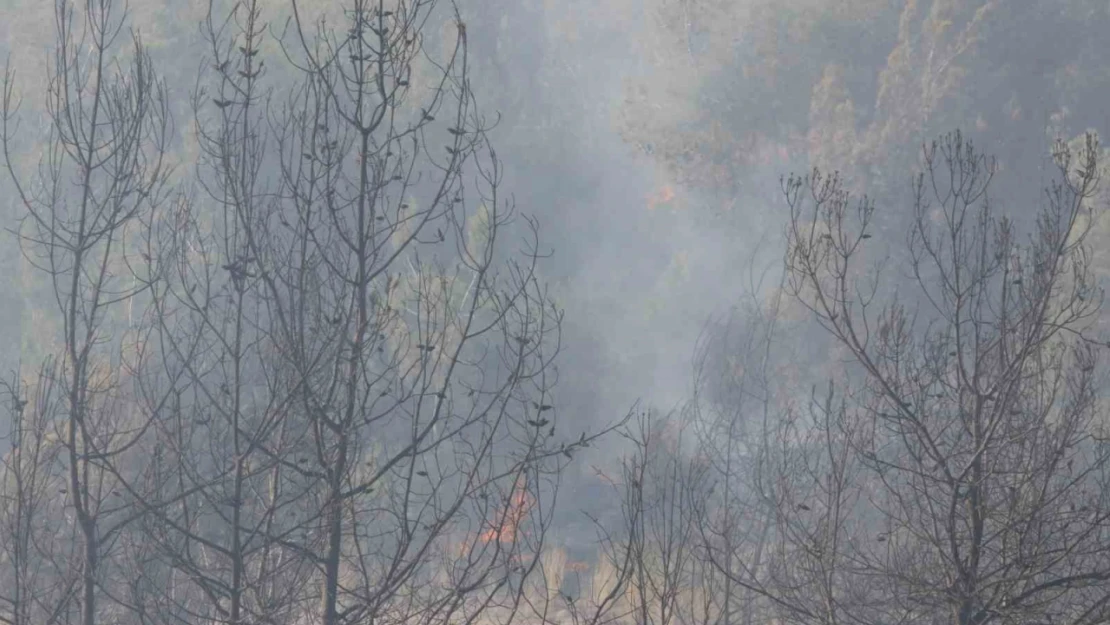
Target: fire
x,y
508,521
662,196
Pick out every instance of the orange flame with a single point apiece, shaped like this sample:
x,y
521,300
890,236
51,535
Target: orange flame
x,y
662,196
509,519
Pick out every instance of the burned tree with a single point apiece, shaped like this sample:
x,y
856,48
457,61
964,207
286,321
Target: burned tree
x,y
650,566
335,400
35,587
225,522
958,473
101,177
420,351
368,362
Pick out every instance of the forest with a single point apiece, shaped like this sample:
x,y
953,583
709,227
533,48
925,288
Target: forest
x,y
498,312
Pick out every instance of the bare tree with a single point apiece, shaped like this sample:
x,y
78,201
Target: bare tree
x,y
962,477
336,401
738,403
224,514
33,590
371,356
101,175
650,565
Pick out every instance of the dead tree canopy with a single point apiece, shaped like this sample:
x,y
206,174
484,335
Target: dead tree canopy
x,y
959,473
